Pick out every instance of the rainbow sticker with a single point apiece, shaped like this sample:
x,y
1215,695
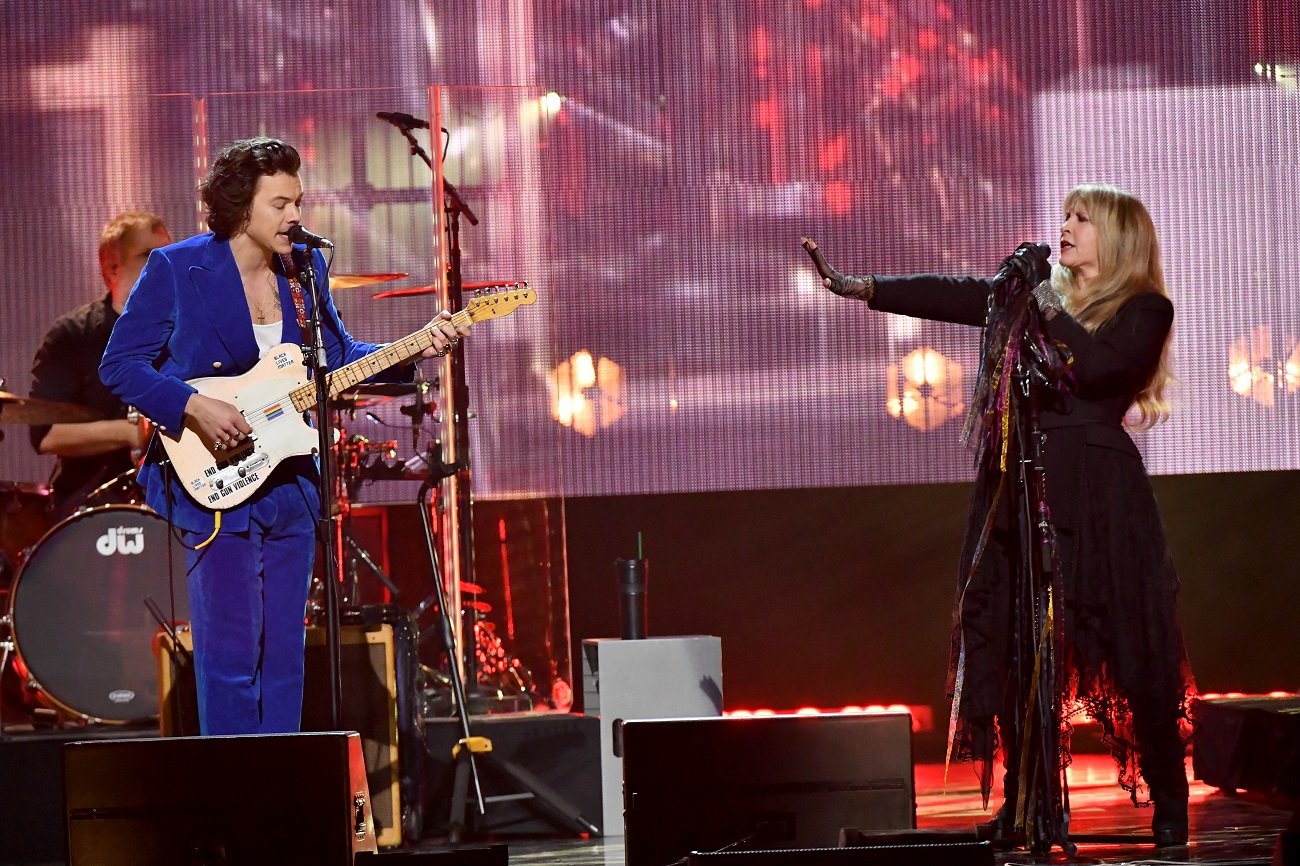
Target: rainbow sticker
x,y
274,412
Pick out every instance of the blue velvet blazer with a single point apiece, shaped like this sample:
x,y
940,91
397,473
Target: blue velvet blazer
x,y
188,318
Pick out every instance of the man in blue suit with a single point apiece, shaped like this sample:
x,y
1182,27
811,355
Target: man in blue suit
x,y
212,305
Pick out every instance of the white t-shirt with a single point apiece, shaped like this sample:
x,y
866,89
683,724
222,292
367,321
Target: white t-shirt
x,y
268,336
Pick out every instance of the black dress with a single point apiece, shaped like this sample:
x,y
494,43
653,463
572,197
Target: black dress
x,y
1123,654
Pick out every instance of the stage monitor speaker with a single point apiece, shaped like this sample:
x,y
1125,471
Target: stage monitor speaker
x,y
774,782
276,799
1249,743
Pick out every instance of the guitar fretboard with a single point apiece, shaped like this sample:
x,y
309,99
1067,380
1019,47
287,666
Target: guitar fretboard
x,y
396,352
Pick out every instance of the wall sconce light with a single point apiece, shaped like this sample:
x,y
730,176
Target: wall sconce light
x,y
1260,367
587,393
924,389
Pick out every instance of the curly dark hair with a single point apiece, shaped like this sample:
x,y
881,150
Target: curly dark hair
x,y
228,189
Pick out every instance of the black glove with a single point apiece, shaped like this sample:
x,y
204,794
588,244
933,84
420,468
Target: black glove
x,y
1029,262
844,285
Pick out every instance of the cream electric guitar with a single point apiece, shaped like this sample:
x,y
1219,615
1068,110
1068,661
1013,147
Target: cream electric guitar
x,y
273,397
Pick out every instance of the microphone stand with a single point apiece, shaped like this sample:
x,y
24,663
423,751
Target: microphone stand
x,y
1044,795
471,750
1037,805
453,194
317,362
455,207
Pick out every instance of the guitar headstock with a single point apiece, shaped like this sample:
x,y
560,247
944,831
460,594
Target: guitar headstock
x,y
499,300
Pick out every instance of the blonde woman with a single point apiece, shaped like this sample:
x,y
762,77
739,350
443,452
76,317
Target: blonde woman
x,y
1119,649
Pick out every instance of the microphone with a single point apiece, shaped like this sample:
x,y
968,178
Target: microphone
x,y
1047,297
311,240
401,120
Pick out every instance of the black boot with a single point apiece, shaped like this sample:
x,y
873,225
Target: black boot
x,y
1000,829
1169,825
1161,756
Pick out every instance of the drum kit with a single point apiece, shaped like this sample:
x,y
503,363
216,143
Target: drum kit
x,y
73,592
84,598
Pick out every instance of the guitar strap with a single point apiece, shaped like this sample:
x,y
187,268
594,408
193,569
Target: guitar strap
x,y
295,289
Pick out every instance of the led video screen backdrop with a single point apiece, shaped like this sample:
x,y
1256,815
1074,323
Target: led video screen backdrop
x,y
648,168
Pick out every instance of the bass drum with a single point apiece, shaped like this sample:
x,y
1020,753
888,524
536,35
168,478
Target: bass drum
x,y
80,623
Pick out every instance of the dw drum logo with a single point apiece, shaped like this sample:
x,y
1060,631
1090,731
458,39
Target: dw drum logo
x,y
126,540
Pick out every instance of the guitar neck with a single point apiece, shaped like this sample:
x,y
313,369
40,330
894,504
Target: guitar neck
x,y
396,352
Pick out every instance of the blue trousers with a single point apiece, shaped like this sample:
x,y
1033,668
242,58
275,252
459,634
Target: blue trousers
x,y
248,600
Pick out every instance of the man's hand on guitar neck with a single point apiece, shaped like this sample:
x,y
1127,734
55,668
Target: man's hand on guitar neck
x,y
217,421
445,335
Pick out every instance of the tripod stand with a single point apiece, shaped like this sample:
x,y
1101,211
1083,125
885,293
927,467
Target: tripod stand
x,y
472,751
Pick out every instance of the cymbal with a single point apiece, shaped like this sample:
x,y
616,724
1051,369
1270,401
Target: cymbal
x,y
431,290
353,281
387,389
371,393
33,410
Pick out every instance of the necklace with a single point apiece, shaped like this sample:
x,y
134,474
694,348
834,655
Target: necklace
x,y
265,308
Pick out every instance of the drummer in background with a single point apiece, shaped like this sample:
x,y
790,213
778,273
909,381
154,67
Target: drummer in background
x,y
66,369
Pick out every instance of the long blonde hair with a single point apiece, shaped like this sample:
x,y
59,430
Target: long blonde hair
x,y
1128,254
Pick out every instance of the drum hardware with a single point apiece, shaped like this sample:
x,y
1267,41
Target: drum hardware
x,y
356,451
358,554
351,454
121,489
26,514
144,431
6,649
365,396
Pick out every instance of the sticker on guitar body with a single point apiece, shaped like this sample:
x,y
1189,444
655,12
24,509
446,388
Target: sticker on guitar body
x,y
228,489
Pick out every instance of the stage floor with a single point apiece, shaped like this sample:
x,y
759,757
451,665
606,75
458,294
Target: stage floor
x,y
1224,829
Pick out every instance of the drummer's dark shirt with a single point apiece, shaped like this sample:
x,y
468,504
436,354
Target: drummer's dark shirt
x,y
66,369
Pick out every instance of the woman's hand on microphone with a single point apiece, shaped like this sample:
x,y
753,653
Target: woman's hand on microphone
x,y
845,285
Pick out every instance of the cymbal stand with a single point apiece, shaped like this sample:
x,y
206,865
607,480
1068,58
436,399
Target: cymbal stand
x,y
359,555
6,650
